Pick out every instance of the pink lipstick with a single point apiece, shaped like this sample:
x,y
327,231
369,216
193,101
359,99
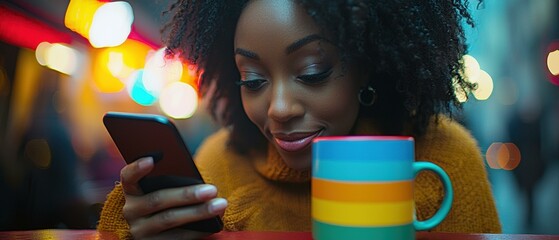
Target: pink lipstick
x,y
295,141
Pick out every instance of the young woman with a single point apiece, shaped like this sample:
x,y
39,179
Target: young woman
x,y
282,72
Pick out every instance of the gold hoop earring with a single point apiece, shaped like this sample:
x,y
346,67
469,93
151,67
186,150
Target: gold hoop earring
x,y
367,96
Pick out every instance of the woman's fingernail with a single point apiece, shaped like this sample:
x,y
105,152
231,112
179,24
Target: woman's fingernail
x,y
145,162
217,205
205,191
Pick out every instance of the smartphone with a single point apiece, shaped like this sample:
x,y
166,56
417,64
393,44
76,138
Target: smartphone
x,y
139,135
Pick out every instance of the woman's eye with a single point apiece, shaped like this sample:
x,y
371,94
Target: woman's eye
x,y
252,85
316,78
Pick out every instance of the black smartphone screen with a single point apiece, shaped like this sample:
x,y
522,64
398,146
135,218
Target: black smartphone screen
x,y
139,135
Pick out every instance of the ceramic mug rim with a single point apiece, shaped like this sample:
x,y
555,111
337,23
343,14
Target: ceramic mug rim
x,y
364,138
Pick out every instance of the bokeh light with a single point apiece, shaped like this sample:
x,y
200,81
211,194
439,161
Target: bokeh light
x,y
79,15
471,68
179,100
552,62
117,67
491,156
113,66
111,24
470,72
484,86
512,157
62,58
38,152
473,73
159,71
41,53
59,57
504,156
137,90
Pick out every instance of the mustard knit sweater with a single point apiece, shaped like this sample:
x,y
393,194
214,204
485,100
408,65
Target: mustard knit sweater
x,y
264,194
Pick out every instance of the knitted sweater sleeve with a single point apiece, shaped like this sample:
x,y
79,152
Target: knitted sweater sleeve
x,y
112,219
452,147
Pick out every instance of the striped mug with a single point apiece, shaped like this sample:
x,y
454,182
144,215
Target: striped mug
x,y
362,188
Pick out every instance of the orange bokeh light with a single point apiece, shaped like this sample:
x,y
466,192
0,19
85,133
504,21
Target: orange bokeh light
x,y
491,155
504,156
513,159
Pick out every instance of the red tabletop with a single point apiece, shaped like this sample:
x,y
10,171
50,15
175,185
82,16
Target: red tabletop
x,y
51,234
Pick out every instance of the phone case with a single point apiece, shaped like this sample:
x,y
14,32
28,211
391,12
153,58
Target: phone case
x,y
139,135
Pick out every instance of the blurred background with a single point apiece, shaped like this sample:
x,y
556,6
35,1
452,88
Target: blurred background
x,y
63,64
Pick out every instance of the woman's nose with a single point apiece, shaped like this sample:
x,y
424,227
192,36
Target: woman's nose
x,y
284,103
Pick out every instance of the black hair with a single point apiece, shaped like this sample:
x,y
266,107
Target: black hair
x,y
413,50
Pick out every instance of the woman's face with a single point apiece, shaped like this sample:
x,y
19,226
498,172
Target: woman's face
x,y
293,85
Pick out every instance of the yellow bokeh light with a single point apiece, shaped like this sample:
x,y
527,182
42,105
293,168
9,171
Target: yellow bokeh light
x,y
484,86
62,58
472,69
112,66
79,15
117,67
116,63
59,57
553,62
41,53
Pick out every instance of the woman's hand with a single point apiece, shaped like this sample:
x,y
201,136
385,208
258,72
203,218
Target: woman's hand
x,y
153,214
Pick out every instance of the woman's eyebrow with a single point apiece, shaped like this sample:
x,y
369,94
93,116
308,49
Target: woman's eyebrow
x,y
291,48
247,53
302,42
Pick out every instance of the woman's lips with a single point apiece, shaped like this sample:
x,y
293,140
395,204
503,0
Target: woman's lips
x,y
295,142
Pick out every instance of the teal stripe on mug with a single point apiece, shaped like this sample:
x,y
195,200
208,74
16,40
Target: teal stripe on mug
x,y
364,150
324,231
363,171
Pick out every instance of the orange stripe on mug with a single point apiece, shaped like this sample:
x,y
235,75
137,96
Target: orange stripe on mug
x,y
362,214
362,191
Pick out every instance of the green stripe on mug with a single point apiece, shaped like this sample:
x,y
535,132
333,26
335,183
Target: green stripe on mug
x,y
362,171
362,213
324,231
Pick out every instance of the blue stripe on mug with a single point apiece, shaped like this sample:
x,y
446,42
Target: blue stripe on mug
x,y
363,150
363,171
324,231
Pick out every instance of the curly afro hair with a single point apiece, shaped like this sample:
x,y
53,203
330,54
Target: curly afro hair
x,y
413,50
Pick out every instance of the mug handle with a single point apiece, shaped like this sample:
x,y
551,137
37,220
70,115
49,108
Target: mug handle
x,y
447,199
